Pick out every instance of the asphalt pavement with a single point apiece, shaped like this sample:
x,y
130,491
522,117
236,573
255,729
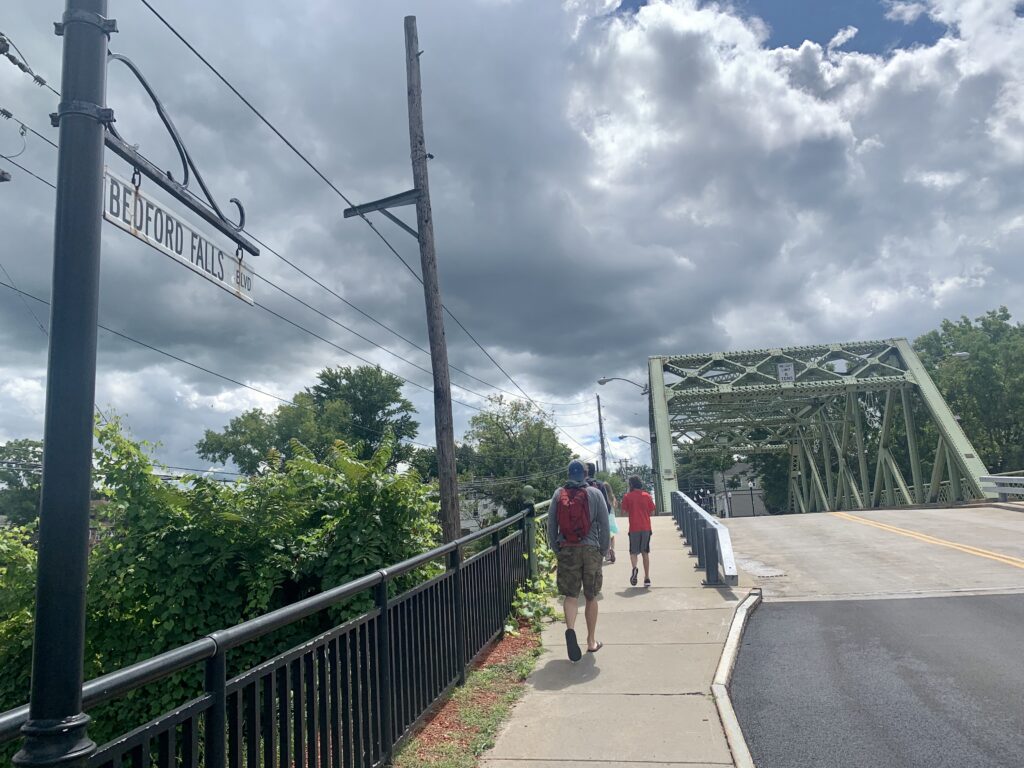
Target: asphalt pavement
x,y
886,683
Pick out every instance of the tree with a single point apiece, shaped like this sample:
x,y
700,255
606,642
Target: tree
x,y
773,470
515,444
424,461
985,390
20,476
182,560
359,406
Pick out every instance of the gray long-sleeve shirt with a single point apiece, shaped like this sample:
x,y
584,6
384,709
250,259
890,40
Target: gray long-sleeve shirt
x,y
598,534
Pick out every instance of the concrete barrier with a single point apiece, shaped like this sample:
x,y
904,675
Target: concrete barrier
x,y
708,539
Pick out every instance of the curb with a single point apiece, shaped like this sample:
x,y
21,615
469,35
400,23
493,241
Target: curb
x,y
723,675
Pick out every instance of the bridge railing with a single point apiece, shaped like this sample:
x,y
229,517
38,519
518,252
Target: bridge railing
x,y
343,698
1004,486
708,538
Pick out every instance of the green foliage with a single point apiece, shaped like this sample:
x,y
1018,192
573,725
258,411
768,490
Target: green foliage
x,y
534,601
514,439
424,461
359,406
19,485
616,481
986,390
178,563
773,471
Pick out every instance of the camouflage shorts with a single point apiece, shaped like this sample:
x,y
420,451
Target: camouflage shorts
x,y
579,568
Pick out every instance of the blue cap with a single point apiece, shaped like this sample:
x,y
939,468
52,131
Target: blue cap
x,y
577,471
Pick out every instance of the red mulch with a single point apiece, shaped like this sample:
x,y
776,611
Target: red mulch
x,y
443,724
508,647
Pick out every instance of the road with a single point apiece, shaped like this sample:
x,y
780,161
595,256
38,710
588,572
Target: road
x,y
889,638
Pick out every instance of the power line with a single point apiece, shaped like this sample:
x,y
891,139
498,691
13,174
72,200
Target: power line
x,y
370,317
274,128
340,348
6,114
22,63
30,173
209,371
341,194
24,301
359,335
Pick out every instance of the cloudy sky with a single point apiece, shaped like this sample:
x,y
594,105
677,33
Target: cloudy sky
x,y
611,180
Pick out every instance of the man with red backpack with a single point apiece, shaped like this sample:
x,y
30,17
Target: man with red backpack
x,y
578,533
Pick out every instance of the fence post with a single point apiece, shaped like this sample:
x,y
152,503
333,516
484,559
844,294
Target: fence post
x,y
455,564
698,536
711,556
387,736
691,537
530,530
216,715
499,587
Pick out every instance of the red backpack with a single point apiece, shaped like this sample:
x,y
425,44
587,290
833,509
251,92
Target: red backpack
x,y
573,516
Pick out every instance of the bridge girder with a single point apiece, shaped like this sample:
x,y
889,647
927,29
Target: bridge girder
x,y
852,417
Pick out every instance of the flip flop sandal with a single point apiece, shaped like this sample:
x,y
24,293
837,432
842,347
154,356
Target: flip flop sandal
x,y
572,646
600,645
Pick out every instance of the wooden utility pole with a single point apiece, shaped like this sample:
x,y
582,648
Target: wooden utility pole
x,y
443,427
600,424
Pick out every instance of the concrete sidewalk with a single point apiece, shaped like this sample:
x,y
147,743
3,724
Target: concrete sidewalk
x,y
645,698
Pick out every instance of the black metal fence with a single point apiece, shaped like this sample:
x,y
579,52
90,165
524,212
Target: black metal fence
x,y
342,699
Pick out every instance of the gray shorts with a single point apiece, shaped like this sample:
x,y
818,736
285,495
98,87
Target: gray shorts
x,y
639,542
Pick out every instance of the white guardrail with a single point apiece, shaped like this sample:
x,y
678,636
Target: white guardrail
x,y
1003,486
708,538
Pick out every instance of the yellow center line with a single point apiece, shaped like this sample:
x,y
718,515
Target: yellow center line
x,y
967,548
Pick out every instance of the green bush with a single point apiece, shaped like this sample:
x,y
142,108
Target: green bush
x,y
177,563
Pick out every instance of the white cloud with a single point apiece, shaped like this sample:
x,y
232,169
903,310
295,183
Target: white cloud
x,y
841,38
606,187
905,12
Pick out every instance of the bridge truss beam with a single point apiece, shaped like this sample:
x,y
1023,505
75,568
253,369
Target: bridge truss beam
x,y
857,420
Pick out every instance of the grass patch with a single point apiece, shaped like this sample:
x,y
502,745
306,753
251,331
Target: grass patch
x,y
464,727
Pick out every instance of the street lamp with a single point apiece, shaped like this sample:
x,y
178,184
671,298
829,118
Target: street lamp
x,y
623,437
605,379
750,485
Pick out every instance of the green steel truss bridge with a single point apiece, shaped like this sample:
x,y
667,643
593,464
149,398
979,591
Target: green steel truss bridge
x,y
863,424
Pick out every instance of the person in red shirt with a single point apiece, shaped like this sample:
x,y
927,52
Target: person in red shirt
x,y
638,504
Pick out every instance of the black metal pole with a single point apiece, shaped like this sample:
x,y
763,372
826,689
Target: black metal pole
x,y
711,557
698,536
55,733
387,734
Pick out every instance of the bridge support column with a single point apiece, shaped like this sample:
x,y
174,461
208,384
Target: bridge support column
x,y
662,455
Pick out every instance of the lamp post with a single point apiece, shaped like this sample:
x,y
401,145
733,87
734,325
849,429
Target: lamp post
x,y
644,389
750,485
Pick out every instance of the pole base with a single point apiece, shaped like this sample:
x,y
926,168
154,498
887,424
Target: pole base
x,y
55,742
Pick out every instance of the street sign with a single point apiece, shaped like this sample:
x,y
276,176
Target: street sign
x,y
127,207
787,373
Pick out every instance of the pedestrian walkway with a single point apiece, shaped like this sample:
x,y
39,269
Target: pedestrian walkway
x,y
645,698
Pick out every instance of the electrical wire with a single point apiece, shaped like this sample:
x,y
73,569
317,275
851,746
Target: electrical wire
x,y
22,64
30,173
6,114
209,371
222,376
342,195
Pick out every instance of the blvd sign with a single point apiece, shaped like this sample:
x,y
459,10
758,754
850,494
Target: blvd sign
x,y
126,207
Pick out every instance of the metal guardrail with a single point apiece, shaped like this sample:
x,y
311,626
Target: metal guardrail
x,y
709,540
1003,486
343,698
